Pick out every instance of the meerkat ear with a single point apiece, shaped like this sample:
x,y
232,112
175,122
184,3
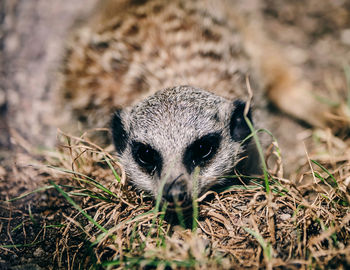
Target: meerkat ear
x,y
120,137
239,128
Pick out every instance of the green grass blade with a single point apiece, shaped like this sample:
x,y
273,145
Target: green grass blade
x,y
102,235
347,76
90,195
265,246
96,184
20,245
113,170
29,193
17,227
89,179
55,226
180,215
326,171
261,154
194,199
70,200
30,214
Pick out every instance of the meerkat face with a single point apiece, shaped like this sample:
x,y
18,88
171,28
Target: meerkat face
x,y
179,140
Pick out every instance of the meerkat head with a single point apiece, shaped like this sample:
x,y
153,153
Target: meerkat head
x,y
180,139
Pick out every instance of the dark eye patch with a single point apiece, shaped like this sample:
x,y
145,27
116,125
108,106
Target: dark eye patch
x,y
239,128
120,136
201,151
147,157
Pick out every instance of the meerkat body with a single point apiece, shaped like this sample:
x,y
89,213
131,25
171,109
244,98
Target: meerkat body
x,y
129,50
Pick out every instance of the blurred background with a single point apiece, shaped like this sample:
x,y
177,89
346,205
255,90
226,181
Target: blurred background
x,y
315,35
31,48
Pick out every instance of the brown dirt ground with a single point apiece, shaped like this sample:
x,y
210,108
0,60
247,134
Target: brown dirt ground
x,y
44,231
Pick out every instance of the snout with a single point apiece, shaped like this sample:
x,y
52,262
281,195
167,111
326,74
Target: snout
x,y
176,193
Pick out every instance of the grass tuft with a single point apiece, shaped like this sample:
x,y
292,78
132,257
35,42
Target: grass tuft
x,y
112,226
76,206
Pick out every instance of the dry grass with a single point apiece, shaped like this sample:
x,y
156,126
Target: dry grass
x,y
303,223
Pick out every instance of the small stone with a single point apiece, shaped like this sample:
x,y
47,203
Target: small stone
x,y
345,36
285,216
2,172
347,181
26,267
2,97
39,252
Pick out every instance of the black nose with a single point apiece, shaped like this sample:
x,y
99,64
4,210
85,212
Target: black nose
x,y
175,196
175,191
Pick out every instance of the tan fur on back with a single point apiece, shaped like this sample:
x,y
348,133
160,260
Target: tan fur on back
x,y
127,50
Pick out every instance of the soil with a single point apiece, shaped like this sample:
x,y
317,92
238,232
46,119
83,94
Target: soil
x,y
315,36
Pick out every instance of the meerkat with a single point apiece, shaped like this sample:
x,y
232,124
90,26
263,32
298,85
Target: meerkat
x,y
200,53
176,130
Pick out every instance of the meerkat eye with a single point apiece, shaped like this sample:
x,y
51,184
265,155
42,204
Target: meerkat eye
x,y
203,150
200,152
146,157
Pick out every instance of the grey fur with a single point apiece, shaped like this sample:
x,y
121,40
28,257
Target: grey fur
x,y
171,120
